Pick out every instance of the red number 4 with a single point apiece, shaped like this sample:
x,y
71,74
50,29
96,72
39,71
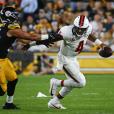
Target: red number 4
x,y
80,47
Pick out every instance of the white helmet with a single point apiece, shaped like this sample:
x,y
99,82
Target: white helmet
x,y
81,23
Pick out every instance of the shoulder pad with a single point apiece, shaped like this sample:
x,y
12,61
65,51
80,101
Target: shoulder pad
x,y
1,24
13,26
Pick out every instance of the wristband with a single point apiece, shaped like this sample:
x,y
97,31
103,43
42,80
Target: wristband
x,y
44,36
98,42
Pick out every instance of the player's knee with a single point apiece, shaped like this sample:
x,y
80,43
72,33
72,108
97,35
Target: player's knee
x,y
82,83
79,84
82,80
2,92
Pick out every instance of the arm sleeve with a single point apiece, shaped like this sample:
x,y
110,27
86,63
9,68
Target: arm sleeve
x,y
53,37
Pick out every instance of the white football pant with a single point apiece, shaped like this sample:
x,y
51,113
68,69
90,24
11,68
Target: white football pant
x,y
75,79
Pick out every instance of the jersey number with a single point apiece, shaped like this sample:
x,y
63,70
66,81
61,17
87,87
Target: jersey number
x,y
80,47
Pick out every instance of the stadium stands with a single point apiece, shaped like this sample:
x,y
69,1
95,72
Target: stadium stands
x,y
50,15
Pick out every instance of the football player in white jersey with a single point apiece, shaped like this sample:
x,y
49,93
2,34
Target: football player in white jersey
x,y
74,37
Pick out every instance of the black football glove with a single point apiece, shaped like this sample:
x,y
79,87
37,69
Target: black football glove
x,y
53,37
46,42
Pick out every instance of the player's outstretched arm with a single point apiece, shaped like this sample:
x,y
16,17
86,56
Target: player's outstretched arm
x,y
46,40
52,37
20,34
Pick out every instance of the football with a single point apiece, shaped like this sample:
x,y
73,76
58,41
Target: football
x,y
105,52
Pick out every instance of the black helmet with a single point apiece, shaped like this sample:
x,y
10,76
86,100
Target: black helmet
x,y
9,15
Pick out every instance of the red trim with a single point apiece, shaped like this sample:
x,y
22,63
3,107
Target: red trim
x,y
55,106
81,22
62,83
51,91
70,75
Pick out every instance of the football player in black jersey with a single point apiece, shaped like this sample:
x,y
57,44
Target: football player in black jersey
x,y
10,31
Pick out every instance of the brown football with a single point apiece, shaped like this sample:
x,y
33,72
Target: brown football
x,y
105,52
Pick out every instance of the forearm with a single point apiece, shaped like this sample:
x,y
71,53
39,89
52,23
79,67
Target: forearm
x,y
95,40
23,41
103,49
52,37
19,34
46,40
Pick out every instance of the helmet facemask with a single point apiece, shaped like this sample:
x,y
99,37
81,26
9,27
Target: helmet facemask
x,y
81,24
79,31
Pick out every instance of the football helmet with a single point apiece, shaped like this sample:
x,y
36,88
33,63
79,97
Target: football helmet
x,y
81,24
8,15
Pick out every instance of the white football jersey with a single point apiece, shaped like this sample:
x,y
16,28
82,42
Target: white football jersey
x,y
72,45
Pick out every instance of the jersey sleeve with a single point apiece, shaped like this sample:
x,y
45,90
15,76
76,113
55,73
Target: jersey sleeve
x,y
63,32
13,26
90,30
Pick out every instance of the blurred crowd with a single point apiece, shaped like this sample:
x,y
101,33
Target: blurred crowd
x,y
44,16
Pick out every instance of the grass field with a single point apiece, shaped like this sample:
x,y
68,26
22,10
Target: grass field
x,y
96,98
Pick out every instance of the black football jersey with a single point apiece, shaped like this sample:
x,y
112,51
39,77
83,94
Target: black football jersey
x,y
5,41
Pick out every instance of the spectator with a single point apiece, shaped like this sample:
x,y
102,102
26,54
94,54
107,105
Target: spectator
x,y
108,8
42,3
60,6
109,23
57,17
91,10
49,10
67,17
29,7
43,26
54,25
30,24
12,3
95,24
112,42
97,5
43,16
108,37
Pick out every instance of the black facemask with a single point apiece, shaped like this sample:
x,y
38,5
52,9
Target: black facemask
x,y
78,31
